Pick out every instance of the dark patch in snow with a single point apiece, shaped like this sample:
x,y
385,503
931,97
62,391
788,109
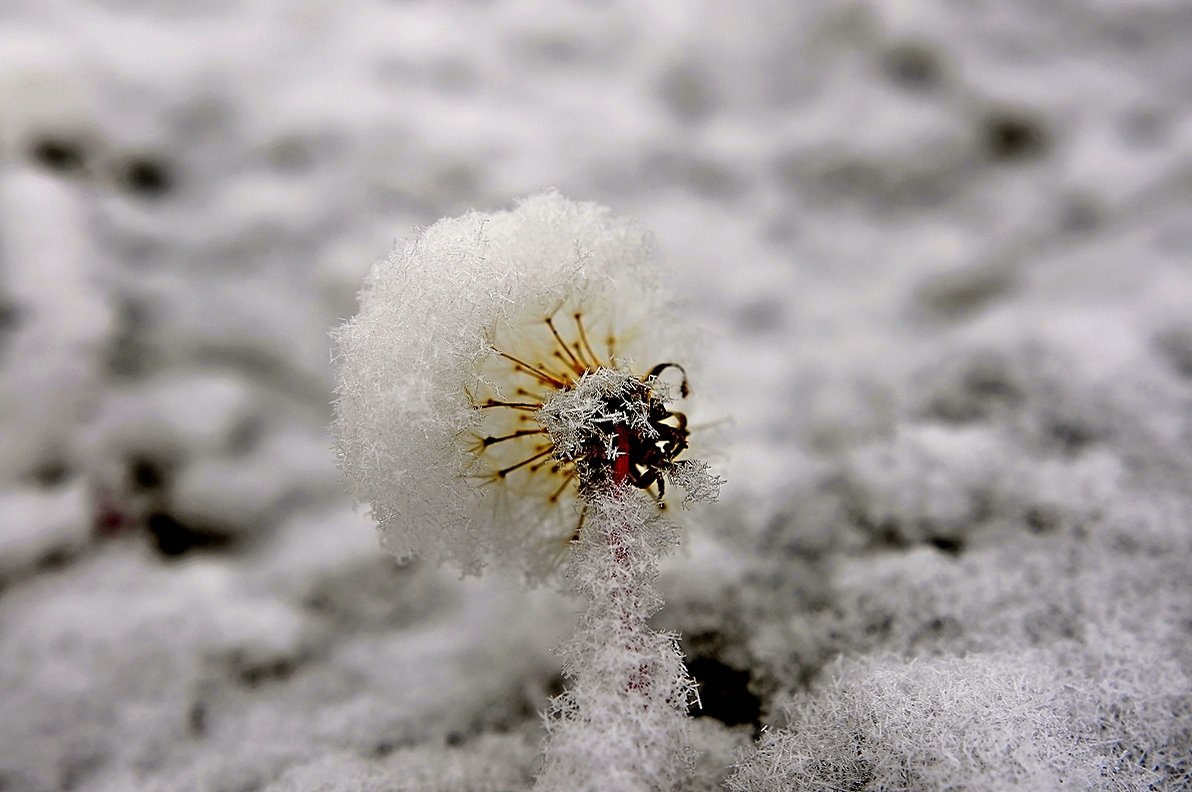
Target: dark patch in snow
x,y
148,474
962,292
760,316
1011,136
10,319
147,177
60,154
1041,519
913,65
937,629
879,627
1069,437
51,472
1145,128
387,745
172,537
257,672
1175,345
76,770
128,355
951,545
854,178
1051,622
1080,214
383,748
689,93
246,434
196,719
54,559
883,532
376,594
983,387
724,693
700,175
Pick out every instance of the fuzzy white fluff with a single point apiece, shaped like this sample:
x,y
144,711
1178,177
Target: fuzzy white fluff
x,y
994,720
410,362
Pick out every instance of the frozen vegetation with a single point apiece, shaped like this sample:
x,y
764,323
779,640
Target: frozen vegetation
x,y
940,257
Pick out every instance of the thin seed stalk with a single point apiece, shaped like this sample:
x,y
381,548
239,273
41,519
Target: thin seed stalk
x,y
622,724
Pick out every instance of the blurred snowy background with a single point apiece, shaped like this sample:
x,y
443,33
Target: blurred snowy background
x,y
941,256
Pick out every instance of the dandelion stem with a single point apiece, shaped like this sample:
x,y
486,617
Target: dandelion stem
x,y
620,670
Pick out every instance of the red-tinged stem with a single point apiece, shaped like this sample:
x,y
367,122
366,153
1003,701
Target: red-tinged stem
x,y
624,714
641,679
621,463
622,723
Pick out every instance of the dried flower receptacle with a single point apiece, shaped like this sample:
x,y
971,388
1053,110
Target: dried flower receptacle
x,y
560,418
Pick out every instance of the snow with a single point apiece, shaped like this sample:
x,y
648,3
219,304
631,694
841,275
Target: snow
x,y
938,254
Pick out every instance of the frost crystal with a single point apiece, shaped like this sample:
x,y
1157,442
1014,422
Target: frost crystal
x,y
696,479
606,397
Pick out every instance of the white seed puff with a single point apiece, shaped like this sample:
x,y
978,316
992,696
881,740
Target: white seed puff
x,y
452,328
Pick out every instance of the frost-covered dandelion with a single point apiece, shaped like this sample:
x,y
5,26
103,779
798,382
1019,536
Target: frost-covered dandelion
x,y
464,377
505,394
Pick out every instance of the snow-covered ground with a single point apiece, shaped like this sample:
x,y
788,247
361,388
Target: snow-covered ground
x,y
941,255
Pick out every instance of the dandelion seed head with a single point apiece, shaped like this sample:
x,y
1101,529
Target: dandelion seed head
x,y
463,335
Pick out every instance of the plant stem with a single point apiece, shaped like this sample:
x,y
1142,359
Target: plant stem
x,y
622,724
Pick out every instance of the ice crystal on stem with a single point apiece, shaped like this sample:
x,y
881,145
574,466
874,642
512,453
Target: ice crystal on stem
x,y
622,723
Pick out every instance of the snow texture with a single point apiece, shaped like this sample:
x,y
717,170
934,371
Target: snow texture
x,y
979,722
939,255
